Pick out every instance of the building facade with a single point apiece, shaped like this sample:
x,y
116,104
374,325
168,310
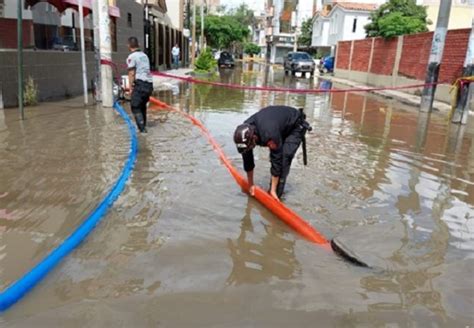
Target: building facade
x,y
165,27
462,12
344,21
51,39
280,38
340,21
212,6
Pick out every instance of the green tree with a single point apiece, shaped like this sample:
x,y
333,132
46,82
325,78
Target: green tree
x,y
252,49
244,15
222,31
306,36
397,17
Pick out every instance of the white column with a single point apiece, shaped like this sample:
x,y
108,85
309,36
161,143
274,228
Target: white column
x,y
97,79
437,48
83,52
105,46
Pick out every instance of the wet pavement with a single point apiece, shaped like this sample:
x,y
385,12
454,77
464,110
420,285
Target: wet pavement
x,y
183,247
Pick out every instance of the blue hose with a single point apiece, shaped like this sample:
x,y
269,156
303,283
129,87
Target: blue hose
x,y
18,289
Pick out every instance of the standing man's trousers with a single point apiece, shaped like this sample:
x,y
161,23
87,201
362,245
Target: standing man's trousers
x,y
140,97
290,146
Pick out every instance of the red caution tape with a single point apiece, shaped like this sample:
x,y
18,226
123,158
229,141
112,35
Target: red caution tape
x,y
279,209
273,89
277,89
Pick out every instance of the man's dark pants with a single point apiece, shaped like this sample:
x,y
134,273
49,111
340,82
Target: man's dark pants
x,y
140,96
290,146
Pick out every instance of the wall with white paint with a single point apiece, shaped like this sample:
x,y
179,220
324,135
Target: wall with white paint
x,y
340,25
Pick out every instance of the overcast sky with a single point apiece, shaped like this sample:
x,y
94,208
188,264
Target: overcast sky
x,y
254,4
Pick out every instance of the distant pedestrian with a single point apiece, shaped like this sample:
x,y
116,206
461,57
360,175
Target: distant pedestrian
x,y
280,128
175,53
141,82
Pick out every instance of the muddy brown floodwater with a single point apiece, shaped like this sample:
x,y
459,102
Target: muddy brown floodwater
x,y
183,247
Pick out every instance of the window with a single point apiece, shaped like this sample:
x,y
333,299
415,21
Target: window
x,y
129,20
300,56
354,25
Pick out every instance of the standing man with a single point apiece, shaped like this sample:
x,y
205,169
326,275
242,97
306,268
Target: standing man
x,y
175,53
141,82
280,128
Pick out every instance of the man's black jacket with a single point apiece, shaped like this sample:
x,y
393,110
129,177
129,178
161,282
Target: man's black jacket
x,y
272,125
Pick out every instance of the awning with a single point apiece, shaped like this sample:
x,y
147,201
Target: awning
x,y
74,4
114,11
62,5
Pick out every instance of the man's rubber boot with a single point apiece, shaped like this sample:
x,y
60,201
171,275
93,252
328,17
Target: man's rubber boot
x,y
140,122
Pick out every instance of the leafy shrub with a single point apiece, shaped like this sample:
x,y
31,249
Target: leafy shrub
x,y
30,96
205,62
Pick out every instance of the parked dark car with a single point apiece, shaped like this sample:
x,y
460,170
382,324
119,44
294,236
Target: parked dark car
x,y
64,44
299,62
327,64
226,59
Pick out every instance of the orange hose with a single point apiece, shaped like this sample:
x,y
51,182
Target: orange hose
x,y
278,208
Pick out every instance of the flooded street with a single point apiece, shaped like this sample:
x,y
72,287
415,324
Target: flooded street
x,y
184,247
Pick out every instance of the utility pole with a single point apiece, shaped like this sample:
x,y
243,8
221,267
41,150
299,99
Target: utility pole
x,y
269,32
467,90
83,52
147,30
437,47
294,24
97,83
106,75
295,45
193,36
20,57
188,27
202,25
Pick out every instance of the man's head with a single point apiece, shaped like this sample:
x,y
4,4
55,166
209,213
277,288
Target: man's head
x,y
133,43
245,138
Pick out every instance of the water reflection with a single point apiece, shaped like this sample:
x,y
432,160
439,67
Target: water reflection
x,y
258,260
39,207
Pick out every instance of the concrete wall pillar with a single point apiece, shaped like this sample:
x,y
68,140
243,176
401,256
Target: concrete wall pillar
x,y
157,42
371,56
350,55
398,57
163,43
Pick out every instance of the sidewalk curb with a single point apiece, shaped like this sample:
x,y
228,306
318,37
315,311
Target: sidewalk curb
x,y
161,83
402,97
